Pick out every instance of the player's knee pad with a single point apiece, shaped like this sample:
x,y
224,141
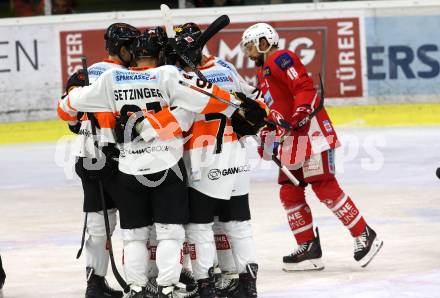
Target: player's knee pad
x,y
138,234
169,232
96,224
199,233
238,229
328,191
291,195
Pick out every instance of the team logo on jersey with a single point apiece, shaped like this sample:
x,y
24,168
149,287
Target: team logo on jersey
x,y
268,99
223,63
214,174
120,77
266,71
284,61
328,127
219,77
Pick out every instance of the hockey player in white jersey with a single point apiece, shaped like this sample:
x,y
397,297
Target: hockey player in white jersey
x,y
218,177
151,184
118,37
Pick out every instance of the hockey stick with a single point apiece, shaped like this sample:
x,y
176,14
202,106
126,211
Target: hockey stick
x,y
83,237
220,23
166,14
118,277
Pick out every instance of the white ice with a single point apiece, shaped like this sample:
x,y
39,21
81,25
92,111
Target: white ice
x,y
389,172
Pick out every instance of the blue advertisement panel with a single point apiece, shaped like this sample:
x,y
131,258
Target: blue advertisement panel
x,y
403,55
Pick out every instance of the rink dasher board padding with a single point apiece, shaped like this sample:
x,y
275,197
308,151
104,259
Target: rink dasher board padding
x,y
367,52
345,116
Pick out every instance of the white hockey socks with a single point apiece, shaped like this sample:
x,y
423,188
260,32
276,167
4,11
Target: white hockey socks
x,y
135,256
97,256
170,239
225,259
202,248
243,246
152,248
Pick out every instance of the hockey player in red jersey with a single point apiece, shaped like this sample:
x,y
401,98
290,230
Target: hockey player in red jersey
x,y
308,150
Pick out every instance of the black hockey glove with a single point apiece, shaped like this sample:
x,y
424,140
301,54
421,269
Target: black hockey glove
x,y
125,129
75,127
241,126
76,80
253,112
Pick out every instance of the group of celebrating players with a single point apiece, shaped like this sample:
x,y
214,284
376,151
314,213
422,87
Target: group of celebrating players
x,y
157,145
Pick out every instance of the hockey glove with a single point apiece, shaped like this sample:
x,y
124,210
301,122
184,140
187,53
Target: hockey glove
x,y
77,79
125,129
74,126
270,141
300,120
253,112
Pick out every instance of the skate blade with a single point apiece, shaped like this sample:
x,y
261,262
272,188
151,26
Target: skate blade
x,y
308,265
377,245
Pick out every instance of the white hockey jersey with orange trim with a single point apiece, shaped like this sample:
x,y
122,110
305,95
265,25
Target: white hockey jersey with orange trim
x,y
84,146
150,90
215,158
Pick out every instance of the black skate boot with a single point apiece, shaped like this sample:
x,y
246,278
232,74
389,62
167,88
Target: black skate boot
x,y
227,285
207,285
2,274
151,288
97,287
187,278
248,281
306,257
366,246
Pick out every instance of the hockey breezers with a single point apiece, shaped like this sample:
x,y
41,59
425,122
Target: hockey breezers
x,y
118,276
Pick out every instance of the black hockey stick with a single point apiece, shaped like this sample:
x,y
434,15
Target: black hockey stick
x,y
220,23
83,237
92,119
166,14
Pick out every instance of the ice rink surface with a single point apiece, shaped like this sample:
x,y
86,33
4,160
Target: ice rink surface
x,y
389,172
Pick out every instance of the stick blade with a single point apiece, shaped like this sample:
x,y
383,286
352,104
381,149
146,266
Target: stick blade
x,y
168,23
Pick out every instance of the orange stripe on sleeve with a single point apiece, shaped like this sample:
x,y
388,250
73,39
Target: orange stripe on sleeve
x,y
214,105
165,124
65,116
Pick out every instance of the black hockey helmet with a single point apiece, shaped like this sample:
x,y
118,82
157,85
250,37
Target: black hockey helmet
x,y
149,44
119,35
187,36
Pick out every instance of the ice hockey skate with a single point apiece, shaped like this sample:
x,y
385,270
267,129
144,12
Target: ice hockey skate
x,y
248,281
97,287
227,285
366,246
306,257
2,274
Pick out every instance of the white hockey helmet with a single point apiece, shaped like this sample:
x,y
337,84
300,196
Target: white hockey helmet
x,y
257,31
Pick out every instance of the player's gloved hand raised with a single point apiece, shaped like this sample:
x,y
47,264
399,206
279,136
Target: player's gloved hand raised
x,y
253,111
77,79
126,122
300,119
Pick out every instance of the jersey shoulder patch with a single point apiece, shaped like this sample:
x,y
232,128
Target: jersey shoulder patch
x,y
266,71
284,61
